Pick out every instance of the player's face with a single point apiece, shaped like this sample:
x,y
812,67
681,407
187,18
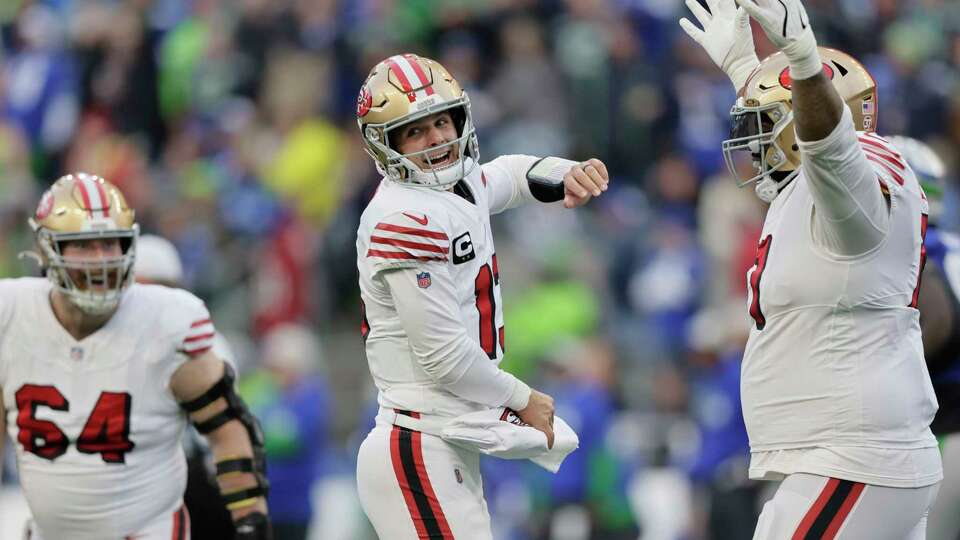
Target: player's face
x,y
432,131
82,257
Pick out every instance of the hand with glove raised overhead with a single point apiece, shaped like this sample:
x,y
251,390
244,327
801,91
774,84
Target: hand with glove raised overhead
x,y
726,36
786,24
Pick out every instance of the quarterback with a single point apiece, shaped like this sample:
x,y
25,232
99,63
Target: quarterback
x,y
98,376
836,396
430,286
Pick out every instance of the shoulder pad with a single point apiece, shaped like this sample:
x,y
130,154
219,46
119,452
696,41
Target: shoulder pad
x,y
185,317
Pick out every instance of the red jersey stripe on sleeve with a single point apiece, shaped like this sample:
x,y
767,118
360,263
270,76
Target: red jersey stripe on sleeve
x,y
200,323
411,231
408,244
198,351
198,338
401,255
889,158
893,173
881,145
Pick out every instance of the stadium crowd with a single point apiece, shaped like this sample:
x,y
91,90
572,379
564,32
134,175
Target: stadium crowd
x,y
230,126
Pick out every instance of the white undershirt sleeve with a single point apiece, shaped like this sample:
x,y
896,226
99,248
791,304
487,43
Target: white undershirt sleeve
x,y
507,181
851,214
431,318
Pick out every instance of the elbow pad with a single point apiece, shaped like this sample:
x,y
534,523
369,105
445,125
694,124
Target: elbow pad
x,y
545,178
236,409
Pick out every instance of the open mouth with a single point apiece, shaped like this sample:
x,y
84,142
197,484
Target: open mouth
x,y
441,159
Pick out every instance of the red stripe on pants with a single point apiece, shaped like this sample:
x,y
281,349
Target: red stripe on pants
x,y
404,484
814,511
406,455
179,524
428,487
841,516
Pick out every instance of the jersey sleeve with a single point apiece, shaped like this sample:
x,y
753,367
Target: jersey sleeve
x,y
406,240
505,180
846,181
194,331
426,302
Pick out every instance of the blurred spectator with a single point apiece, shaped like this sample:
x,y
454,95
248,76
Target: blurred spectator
x,y
529,93
290,397
41,88
118,70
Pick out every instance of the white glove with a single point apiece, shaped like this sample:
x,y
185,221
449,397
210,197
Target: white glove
x,y
726,36
787,25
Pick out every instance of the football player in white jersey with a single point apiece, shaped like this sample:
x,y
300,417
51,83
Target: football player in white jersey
x,y
836,396
98,376
430,286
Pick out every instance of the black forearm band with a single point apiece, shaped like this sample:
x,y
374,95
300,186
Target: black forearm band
x,y
215,392
237,465
544,190
213,423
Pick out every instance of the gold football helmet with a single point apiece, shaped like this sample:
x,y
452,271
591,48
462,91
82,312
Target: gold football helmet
x,y
405,88
80,207
763,114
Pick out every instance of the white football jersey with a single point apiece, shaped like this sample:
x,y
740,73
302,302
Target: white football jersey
x,y
95,425
833,377
407,226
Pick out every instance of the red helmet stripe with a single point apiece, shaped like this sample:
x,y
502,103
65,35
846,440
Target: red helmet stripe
x,y
92,197
402,77
104,200
424,81
85,196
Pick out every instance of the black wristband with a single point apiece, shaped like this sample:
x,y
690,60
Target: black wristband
x,y
544,189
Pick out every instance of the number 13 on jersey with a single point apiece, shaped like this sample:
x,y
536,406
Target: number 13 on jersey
x,y
484,288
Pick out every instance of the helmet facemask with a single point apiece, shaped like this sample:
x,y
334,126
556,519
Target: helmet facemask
x,y
93,286
403,167
760,130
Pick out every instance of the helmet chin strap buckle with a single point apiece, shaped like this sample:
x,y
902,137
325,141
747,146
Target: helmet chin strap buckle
x,y
767,189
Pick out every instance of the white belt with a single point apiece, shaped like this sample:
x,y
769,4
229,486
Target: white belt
x,y
432,425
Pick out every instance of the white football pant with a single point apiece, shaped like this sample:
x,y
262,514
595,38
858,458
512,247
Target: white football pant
x,y
811,507
415,486
944,523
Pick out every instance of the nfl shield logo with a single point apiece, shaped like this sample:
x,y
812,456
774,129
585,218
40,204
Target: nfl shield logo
x,y
423,280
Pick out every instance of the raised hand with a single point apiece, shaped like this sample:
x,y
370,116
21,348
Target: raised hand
x,y
726,36
787,25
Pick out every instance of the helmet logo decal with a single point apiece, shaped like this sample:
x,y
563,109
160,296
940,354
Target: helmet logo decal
x,y
406,68
787,82
45,206
364,101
